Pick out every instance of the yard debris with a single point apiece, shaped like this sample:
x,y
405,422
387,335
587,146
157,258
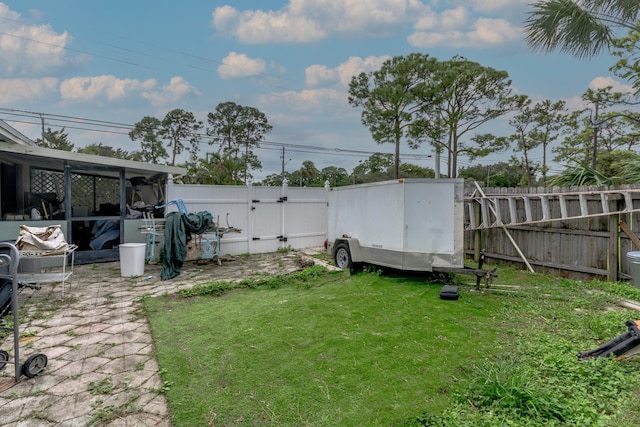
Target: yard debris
x,y
623,347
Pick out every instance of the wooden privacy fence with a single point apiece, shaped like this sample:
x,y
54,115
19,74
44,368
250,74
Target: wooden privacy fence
x,y
575,232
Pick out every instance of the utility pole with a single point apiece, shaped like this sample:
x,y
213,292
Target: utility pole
x,y
283,163
44,143
596,128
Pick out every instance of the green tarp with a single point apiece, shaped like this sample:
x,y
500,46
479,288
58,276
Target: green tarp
x,y
177,232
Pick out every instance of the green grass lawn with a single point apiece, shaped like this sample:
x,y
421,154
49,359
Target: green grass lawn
x,y
330,349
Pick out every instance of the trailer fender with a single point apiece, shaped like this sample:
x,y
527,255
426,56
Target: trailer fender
x,y
346,251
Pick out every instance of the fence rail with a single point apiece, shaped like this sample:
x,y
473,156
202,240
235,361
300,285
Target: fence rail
x,y
570,231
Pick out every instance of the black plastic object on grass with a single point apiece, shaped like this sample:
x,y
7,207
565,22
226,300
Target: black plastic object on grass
x,y
449,292
622,346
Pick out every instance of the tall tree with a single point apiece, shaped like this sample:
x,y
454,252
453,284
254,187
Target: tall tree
x,y
178,128
523,137
582,28
56,139
551,121
408,170
500,174
577,146
307,176
105,150
601,99
218,168
275,179
335,175
628,66
468,95
378,167
147,131
238,129
619,131
392,98
534,126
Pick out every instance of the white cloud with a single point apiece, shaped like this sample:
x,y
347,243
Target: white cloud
x,y
454,18
484,32
493,6
177,89
25,90
427,22
326,95
318,75
604,82
31,50
238,65
303,21
467,24
82,89
225,18
101,89
306,100
576,103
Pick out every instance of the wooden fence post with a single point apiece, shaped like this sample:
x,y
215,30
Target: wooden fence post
x,y
477,243
614,253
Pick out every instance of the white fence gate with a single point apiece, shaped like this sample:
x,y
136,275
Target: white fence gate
x,y
269,218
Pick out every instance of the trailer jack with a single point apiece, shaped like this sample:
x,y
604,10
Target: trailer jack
x,y
623,347
480,273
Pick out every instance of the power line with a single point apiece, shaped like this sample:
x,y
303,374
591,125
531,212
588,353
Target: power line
x,y
72,49
116,128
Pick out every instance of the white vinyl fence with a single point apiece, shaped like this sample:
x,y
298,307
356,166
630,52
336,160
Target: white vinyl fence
x,y
269,218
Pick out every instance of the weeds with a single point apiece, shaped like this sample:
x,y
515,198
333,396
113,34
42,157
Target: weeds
x,y
104,414
104,386
213,288
38,415
306,275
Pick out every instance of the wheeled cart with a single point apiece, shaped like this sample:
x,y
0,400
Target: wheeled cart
x,y
9,260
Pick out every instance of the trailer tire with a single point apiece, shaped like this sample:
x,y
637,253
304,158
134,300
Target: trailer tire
x,y
343,256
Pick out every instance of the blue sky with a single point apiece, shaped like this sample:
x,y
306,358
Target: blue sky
x,y
118,61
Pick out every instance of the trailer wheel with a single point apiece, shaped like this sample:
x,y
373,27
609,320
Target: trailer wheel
x,y
34,365
4,358
343,256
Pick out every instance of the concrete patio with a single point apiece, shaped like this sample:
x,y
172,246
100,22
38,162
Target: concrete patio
x,y
101,367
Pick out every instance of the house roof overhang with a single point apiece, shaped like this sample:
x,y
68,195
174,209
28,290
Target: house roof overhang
x,y
9,134
51,159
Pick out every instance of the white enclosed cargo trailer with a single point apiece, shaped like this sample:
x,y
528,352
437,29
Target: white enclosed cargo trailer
x,y
407,224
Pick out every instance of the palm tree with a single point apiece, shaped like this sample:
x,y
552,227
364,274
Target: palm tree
x,y
583,28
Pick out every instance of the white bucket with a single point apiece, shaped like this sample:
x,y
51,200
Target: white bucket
x,y
132,259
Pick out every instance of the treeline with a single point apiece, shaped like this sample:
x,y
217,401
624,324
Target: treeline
x,y
411,101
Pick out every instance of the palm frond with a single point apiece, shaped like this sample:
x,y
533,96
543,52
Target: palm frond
x,y
581,28
579,175
630,172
